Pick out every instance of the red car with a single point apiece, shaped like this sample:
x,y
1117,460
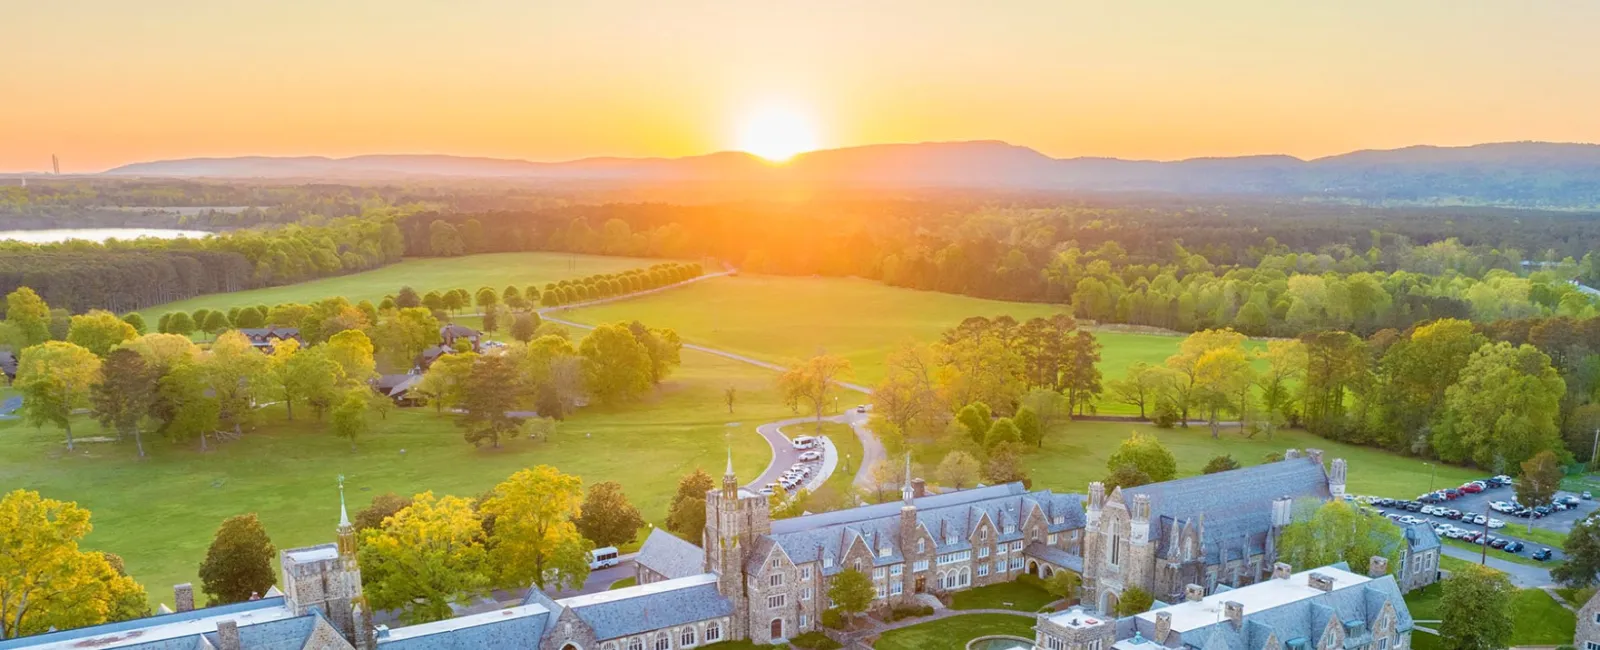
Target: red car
x,y
1470,488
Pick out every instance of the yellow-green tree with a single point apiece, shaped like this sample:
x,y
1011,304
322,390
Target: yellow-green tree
x,y
617,367
99,331
1145,453
1187,364
352,350
1338,532
424,558
534,537
1502,410
1224,379
164,350
45,580
814,382
54,378
29,314
231,370
1286,364
350,416
446,379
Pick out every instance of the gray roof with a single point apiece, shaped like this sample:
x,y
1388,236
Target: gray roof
x,y
119,634
655,606
949,516
502,629
1054,556
666,554
1233,507
1420,537
1357,606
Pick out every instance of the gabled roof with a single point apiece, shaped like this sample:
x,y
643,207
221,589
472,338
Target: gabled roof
x,y
666,554
510,628
177,630
654,606
1420,537
1235,507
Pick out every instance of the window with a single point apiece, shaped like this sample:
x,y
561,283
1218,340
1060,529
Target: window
x,y
856,564
896,588
775,580
882,591
805,572
949,539
983,570
1094,645
1061,519
1383,644
883,552
1016,564
877,574
827,561
1116,549
1590,645
1052,539
805,594
922,546
663,642
1055,644
775,601
686,639
804,621
713,632
983,534
921,565
1016,546
896,570
983,552
635,644
1011,528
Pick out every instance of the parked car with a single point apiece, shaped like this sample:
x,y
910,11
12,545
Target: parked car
x,y
811,456
1452,493
861,408
1471,488
1414,506
1496,523
1587,496
1500,543
1542,554
1453,514
1514,547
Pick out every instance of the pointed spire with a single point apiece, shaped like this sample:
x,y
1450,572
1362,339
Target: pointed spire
x,y
729,471
344,514
905,486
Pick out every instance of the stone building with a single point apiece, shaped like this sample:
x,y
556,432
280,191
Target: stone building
x,y
1587,636
1419,559
1329,608
665,557
1210,530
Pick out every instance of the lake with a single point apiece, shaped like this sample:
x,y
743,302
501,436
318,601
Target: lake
x,y
95,234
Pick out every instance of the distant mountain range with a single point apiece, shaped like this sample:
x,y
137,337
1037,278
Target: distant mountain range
x,y
1535,174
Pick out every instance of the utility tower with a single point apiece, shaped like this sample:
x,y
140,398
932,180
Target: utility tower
x,y
55,164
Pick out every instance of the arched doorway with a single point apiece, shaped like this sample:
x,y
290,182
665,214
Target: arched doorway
x,y
1033,568
1048,572
777,628
1108,603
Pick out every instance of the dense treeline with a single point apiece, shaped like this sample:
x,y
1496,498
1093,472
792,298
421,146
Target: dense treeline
x,y
129,275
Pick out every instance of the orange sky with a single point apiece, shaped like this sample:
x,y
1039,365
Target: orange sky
x,y
105,82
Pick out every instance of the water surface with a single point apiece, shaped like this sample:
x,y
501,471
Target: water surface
x,y
52,235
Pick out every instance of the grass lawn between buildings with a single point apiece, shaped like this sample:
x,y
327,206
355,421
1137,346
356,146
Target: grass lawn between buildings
x,y
160,514
423,274
1003,595
953,633
1537,618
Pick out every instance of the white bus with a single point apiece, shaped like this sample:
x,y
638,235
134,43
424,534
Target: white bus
x,y
601,558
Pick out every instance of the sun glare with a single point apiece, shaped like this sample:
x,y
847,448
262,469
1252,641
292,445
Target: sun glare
x,y
777,135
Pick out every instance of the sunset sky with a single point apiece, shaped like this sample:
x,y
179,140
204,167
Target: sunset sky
x,y
106,82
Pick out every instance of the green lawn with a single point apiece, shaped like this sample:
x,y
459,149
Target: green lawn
x,y
1076,454
1004,595
784,319
1551,538
1538,618
1502,555
160,514
623,583
425,274
953,633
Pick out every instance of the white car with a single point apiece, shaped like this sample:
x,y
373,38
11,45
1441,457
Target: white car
x,y
1496,523
811,456
1480,520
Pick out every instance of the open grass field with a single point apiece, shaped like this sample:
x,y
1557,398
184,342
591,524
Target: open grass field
x,y
160,514
470,272
785,319
1076,454
953,633
1538,618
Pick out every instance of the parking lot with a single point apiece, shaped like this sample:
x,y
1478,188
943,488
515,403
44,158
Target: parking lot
x,y
1560,521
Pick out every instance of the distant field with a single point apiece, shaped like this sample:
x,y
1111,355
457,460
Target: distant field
x,y
784,319
160,514
493,270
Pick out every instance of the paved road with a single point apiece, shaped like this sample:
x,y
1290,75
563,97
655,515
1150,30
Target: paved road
x,y
8,408
1521,575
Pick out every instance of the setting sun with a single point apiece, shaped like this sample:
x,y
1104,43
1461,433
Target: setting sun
x,y
777,135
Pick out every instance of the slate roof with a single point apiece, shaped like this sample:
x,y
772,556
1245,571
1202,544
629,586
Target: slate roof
x,y
454,330
175,631
1420,537
950,516
1054,556
395,385
1353,600
510,628
1233,507
658,605
666,554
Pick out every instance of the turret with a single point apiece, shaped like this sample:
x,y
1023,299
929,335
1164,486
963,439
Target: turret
x,y
1097,502
1139,519
1336,474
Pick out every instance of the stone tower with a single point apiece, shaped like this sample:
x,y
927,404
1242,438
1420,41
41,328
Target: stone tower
x,y
1141,551
734,519
327,577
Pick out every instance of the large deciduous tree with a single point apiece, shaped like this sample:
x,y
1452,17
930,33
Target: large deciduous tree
x,y
1503,408
608,518
617,367
54,378
687,514
851,591
958,470
46,581
425,558
663,347
350,419
1186,363
534,537
352,350
238,566
30,315
815,382
489,395
1286,364
99,331
1338,532
125,394
1147,454
1476,609
1582,550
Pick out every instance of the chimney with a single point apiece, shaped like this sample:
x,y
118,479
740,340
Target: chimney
x,y
228,635
1320,582
1315,454
1377,567
1281,571
1193,592
1235,613
1291,454
919,488
1163,627
183,597
1282,511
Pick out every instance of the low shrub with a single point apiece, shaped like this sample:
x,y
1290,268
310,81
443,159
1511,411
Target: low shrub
x,y
907,611
832,618
815,641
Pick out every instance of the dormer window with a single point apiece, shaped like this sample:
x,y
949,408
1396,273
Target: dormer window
x,y
883,552
827,562
922,546
1011,528
1060,519
857,564
983,534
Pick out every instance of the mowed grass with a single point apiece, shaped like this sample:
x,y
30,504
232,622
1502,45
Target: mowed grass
x,y
953,633
786,319
424,274
1537,618
160,514
1075,454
